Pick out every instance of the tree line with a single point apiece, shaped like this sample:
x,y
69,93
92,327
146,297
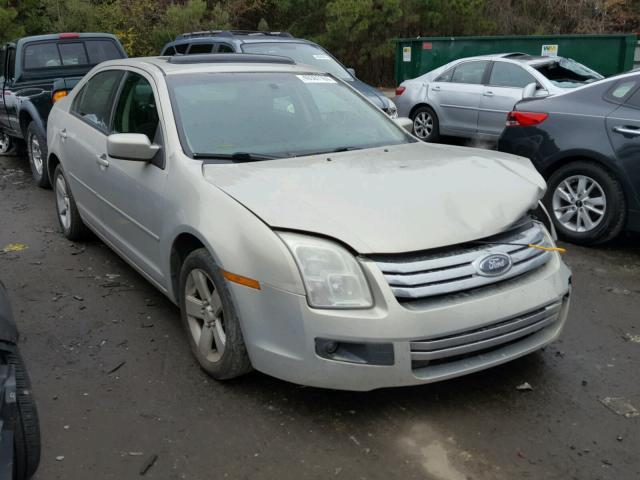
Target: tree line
x,y
359,32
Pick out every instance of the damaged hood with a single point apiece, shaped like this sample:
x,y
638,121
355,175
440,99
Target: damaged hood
x,y
402,198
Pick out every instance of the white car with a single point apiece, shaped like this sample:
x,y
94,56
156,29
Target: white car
x,y
471,97
301,231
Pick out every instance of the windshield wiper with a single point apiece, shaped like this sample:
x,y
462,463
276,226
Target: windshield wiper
x,y
331,150
237,157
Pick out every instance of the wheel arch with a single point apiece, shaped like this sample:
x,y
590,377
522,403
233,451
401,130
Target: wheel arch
x,y
52,162
420,105
183,244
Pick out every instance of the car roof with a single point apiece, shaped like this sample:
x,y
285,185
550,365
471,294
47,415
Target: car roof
x,y
518,57
63,36
240,36
214,63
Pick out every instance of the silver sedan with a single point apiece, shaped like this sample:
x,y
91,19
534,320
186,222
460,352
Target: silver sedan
x,y
471,97
301,231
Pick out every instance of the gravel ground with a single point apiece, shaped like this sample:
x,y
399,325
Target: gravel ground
x,y
116,384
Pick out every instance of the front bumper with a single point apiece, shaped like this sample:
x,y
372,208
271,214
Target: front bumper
x,y
281,331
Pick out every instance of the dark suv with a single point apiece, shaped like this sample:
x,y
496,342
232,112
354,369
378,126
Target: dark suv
x,y
35,72
275,43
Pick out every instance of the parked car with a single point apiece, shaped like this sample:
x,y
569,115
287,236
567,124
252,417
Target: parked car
x,y
587,144
471,97
275,43
37,71
354,258
19,427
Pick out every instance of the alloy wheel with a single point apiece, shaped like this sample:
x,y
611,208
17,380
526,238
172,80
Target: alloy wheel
x,y
63,203
579,203
423,125
36,153
5,143
205,315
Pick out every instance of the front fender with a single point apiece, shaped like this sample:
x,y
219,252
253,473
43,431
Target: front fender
x,y
27,113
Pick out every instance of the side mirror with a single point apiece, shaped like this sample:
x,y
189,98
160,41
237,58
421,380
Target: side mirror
x,y
131,146
405,123
352,71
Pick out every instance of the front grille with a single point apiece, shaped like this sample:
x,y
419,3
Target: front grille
x,y
429,274
454,347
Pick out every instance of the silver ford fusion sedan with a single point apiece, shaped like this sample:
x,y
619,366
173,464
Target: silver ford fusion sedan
x,y
301,231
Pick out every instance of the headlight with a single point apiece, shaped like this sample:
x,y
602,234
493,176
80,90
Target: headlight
x,y
392,110
331,275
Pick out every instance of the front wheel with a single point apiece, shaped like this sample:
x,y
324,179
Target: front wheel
x,y
6,143
425,124
37,151
586,203
210,319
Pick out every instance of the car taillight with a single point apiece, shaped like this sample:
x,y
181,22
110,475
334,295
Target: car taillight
x,y
58,94
525,119
400,91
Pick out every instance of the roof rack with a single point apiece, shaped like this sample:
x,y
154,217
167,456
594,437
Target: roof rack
x,y
231,33
229,58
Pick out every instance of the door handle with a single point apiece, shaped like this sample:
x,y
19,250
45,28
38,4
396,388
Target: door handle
x,y
102,160
63,133
488,94
436,88
635,132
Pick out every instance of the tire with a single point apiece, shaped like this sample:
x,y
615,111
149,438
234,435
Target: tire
x,y
585,188
218,320
37,151
66,210
425,124
6,144
27,429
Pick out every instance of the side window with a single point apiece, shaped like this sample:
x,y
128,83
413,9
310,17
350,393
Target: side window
x,y
469,72
182,49
621,90
169,51
2,59
94,101
505,74
200,48
634,100
11,64
446,76
136,111
224,48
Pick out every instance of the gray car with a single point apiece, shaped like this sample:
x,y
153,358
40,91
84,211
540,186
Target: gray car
x,y
301,231
471,97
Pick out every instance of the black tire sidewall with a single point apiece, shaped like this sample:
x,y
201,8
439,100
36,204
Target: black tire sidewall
x,y
42,180
27,429
434,136
615,215
235,360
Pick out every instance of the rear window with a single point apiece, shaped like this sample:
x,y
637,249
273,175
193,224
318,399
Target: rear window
x,y
69,54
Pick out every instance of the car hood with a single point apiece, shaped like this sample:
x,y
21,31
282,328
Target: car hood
x,y
387,200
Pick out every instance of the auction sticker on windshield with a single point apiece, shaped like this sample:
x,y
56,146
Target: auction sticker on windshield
x,y
316,79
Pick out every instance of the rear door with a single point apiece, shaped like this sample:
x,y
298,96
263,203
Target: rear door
x,y
503,90
84,140
623,127
456,96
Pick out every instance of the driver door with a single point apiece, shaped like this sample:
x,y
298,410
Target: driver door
x,y
133,191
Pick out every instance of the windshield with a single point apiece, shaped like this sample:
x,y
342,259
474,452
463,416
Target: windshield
x,y
301,53
567,73
275,115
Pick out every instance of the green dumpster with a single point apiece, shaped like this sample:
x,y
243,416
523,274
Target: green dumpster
x,y
607,54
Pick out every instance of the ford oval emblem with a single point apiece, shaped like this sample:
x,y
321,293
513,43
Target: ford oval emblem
x,y
493,265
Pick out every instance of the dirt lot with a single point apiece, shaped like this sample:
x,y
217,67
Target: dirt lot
x,y
116,384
